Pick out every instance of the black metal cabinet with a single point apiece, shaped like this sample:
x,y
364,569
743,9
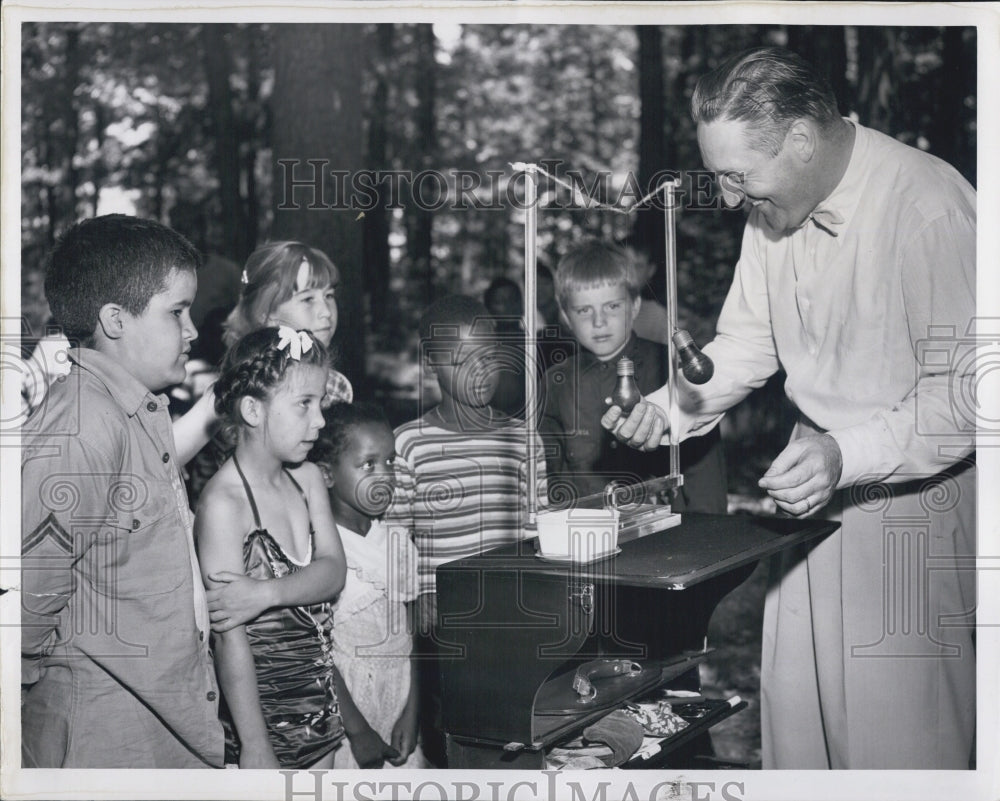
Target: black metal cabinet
x,y
514,629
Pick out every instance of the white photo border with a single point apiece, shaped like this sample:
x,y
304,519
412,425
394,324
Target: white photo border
x,y
982,783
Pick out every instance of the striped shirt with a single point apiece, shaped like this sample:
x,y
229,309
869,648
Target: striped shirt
x,y
461,493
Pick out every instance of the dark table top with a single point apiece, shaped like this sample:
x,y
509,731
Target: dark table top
x,y
700,547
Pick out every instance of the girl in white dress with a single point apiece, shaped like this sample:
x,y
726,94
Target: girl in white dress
x,y
371,636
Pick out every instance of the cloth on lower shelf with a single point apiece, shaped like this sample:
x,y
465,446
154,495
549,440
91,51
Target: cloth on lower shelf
x,y
656,717
609,742
581,758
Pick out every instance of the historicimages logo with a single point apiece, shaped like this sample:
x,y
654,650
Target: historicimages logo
x,y
969,361
30,364
546,785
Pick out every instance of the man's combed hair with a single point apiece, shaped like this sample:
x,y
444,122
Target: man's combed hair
x,y
340,418
768,88
111,259
594,262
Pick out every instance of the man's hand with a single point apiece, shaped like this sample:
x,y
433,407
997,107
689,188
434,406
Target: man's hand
x,y
239,600
805,474
642,429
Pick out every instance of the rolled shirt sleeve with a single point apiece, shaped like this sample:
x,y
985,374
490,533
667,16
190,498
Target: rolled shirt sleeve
x,y
743,350
872,319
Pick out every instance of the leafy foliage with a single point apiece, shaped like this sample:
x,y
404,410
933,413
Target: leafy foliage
x,y
124,115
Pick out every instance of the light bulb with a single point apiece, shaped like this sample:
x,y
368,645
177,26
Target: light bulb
x,y
626,394
695,365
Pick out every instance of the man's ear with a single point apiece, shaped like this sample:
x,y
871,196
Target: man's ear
x,y
109,318
251,410
636,305
801,137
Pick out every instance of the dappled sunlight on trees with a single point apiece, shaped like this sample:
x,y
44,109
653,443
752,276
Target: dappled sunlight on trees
x,y
151,118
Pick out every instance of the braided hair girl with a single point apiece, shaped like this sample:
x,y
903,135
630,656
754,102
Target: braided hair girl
x,y
267,538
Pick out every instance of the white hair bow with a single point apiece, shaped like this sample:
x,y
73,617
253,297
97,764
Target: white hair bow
x,y
297,342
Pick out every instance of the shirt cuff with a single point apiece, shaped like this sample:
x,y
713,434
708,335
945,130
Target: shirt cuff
x,y
690,425
856,446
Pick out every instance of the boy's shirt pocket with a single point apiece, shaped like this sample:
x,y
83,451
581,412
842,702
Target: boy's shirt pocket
x,y
127,571
141,554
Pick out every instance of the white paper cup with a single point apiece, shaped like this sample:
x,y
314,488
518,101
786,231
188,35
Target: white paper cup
x,y
579,535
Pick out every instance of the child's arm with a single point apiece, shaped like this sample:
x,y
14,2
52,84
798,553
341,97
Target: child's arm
x,y
193,430
235,668
541,478
368,748
237,599
404,732
49,550
220,547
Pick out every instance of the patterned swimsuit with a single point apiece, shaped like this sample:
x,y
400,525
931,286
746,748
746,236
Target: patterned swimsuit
x,y
292,658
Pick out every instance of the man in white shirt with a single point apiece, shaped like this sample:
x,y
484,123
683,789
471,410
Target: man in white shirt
x,y
857,277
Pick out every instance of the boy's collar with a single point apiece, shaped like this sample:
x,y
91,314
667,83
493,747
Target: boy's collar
x,y
589,360
125,388
497,420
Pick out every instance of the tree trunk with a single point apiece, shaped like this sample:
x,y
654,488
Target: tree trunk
x,y
316,105
72,80
876,48
948,127
593,99
420,219
376,235
648,230
253,216
251,140
97,170
158,167
50,204
218,66
825,47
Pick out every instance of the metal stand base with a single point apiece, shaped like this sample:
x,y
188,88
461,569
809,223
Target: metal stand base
x,y
646,520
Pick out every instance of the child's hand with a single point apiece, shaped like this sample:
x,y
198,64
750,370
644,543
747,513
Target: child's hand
x,y
370,750
643,428
404,734
261,758
239,600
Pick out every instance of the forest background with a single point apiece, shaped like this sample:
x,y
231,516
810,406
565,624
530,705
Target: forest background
x,y
203,125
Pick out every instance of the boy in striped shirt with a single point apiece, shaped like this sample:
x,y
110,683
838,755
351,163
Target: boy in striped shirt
x,y
462,466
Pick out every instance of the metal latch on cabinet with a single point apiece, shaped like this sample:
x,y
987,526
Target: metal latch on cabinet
x,y
583,593
601,669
